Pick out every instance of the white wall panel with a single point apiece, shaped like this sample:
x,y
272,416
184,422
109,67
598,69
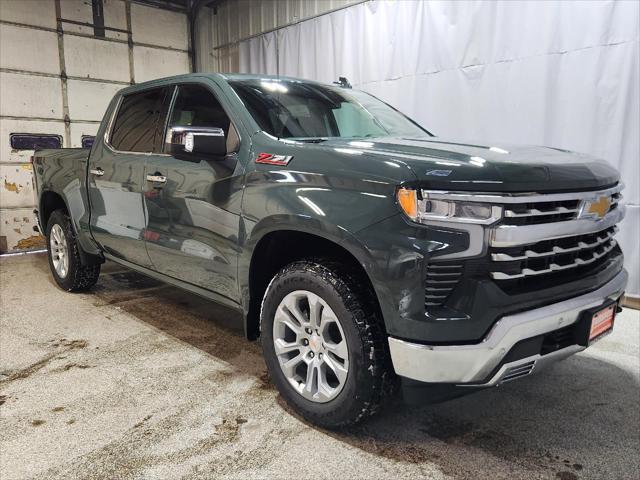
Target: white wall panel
x,y
78,10
159,27
22,11
95,58
151,63
30,96
16,186
16,230
115,14
89,100
29,49
79,129
8,126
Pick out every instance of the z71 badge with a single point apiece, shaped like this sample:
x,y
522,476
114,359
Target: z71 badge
x,y
271,159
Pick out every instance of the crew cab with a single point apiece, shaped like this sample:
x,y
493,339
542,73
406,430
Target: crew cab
x,y
363,251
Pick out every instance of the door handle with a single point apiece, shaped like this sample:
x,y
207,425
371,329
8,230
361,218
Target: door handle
x,y
155,178
97,171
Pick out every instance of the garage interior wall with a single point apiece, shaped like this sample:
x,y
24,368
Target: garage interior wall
x,y
560,74
61,62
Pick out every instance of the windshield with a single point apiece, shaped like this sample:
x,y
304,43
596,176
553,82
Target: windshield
x,y
295,109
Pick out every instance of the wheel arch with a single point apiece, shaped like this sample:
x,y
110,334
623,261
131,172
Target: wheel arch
x,y
282,242
50,201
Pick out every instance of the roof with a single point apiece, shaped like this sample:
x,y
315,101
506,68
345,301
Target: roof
x,y
224,76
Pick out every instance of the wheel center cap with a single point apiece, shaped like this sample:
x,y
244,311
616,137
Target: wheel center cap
x,y
315,343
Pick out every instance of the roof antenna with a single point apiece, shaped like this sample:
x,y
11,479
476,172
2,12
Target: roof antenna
x,y
343,82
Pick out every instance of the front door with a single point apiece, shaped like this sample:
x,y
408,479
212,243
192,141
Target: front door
x,y
193,204
116,173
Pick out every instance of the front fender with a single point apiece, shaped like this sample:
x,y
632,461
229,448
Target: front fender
x,y
254,232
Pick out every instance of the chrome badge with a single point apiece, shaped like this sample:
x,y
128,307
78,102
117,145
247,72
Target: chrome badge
x,y
595,209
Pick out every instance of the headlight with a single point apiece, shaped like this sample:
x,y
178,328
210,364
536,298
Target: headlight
x,y
422,208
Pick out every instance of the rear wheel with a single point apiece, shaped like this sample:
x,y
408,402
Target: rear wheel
x,y
64,256
324,344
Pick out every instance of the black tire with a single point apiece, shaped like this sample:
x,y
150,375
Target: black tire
x,y
79,277
370,379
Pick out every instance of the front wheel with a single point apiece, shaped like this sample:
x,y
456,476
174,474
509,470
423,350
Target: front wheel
x,y
64,256
324,344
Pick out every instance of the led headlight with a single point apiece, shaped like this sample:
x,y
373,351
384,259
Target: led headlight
x,y
422,207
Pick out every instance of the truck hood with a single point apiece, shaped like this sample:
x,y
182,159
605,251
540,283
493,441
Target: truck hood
x,y
442,164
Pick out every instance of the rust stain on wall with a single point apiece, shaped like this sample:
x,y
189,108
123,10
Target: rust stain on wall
x,y
31,243
11,186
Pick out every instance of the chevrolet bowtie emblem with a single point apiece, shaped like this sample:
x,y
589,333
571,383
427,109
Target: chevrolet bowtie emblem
x,y
596,209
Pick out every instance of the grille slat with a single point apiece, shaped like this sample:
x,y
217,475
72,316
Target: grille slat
x,y
556,249
534,212
555,267
441,279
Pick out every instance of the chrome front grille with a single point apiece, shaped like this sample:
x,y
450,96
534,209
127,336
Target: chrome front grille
x,y
537,241
440,281
553,255
545,234
534,213
531,219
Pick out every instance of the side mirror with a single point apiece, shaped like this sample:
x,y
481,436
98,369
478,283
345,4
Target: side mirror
x,y
185,141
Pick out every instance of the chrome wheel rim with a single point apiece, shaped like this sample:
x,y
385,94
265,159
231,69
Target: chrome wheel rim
x,y
59,251
310,346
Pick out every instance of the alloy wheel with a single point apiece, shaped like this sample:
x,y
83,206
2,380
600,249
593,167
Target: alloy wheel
x,y
59,251
311,346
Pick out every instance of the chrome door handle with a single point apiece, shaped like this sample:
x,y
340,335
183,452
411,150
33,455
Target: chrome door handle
x,y
156,178
97,171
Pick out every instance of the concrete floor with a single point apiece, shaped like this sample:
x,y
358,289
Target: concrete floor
x,y
140,380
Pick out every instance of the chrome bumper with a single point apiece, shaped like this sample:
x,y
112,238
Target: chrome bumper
x,y
472,364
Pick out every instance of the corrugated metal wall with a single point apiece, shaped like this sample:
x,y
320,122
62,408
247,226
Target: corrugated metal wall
x,y
57,75
219,29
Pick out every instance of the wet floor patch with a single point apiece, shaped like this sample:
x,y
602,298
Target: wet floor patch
x,y
60,347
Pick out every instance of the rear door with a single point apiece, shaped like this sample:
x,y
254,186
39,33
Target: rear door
x,y
117,173
194,212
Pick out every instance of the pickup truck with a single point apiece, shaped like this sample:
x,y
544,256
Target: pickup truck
x,y
365,253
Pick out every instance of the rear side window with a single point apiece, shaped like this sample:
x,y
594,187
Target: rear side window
x,y
139,124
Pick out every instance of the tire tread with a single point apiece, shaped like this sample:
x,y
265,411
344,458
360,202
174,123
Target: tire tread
x,y
360,301
81,277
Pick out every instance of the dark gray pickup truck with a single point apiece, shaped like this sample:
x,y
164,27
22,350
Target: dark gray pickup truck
x,y
365,252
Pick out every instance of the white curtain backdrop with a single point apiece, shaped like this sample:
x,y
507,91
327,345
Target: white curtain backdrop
x,y
562,74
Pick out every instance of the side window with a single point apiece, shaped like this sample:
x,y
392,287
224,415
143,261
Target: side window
x,y
196,106
139,124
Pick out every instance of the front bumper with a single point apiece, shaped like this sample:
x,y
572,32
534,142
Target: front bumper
x,y
482,364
